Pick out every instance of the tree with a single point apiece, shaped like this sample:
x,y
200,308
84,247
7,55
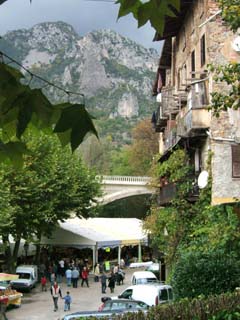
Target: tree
x,y
209,273
169,226
143,149
151,11
21,106
51,184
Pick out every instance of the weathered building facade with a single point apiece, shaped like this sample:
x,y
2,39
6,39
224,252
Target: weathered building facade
x,y
195,38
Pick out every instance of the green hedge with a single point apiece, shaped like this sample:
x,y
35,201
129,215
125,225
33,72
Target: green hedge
x,y
222,307
207,273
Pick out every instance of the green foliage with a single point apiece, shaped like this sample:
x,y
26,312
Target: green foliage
x,y
175,168
21,106
198,273
48,187
231,12
227,315
170,225
120,163
221,307
201,308
229,74
153,11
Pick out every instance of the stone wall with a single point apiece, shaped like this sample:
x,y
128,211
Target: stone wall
x,y
224,131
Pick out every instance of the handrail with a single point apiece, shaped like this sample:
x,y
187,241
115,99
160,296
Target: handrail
x,y
123,179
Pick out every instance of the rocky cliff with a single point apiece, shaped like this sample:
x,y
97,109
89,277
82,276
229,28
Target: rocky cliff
x,y
114,73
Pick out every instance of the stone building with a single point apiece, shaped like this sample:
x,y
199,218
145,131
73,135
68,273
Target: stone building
x,y
195,38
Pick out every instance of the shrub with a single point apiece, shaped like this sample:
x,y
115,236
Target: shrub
x,y
198,273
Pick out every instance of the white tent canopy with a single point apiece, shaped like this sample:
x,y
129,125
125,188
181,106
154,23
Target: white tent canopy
x,y
102,232
98,233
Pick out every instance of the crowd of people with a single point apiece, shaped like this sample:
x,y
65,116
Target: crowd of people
x,y
73,272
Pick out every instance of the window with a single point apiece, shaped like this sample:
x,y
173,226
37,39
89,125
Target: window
x,y
236,161
127,294
163,295
193,67
203,50
170,294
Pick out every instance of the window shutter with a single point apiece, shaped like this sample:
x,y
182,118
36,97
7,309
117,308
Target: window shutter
x,y
236,161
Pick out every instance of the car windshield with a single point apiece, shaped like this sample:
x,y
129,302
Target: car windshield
x,y
154,267
119,305
23,275
146,280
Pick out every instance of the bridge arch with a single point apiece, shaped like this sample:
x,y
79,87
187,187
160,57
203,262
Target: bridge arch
x,y
120,187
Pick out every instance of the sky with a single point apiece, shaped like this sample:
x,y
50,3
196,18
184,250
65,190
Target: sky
x,y
83,15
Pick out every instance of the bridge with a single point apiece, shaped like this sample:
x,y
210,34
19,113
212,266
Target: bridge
x,y
119,187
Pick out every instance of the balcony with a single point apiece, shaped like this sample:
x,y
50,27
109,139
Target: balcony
x,y
193,123
158,121
167,193
171,101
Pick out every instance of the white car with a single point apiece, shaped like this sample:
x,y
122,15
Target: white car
x,y
143,277
151,294
28,277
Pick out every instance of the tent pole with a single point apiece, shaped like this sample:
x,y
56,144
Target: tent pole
x,y
139,252
94,255
96,252
119,255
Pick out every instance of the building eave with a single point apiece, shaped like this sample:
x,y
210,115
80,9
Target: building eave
x,y
173,24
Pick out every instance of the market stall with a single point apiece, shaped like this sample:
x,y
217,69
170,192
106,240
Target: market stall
x,y
8,296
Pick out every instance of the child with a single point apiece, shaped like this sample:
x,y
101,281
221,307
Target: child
x,y
44,283
67,301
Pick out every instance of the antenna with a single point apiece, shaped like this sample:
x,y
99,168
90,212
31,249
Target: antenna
x,y
203,179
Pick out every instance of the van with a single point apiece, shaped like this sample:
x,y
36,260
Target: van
x,y
151,294
143,277
28,277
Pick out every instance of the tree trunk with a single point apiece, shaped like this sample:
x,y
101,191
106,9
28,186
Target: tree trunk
x,y
15,252
8,254
37,255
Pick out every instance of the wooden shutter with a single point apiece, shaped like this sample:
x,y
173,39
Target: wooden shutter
x,y
236,161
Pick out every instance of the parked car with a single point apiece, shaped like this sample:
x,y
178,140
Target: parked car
x,y
152,294
90,314
143,277
28,277
154,268
97,314
122,304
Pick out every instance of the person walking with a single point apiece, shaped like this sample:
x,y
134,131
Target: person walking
x,y
68,275
56,292
84,276
67,301
75,277
111,282
96,272
103,278
44,283
52,278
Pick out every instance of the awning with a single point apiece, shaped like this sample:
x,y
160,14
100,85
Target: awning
x,y
8,276
99,232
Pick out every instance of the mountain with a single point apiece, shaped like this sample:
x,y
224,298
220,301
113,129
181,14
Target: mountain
x,y
113,72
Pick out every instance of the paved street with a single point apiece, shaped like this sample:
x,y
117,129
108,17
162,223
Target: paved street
x,y
38,305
